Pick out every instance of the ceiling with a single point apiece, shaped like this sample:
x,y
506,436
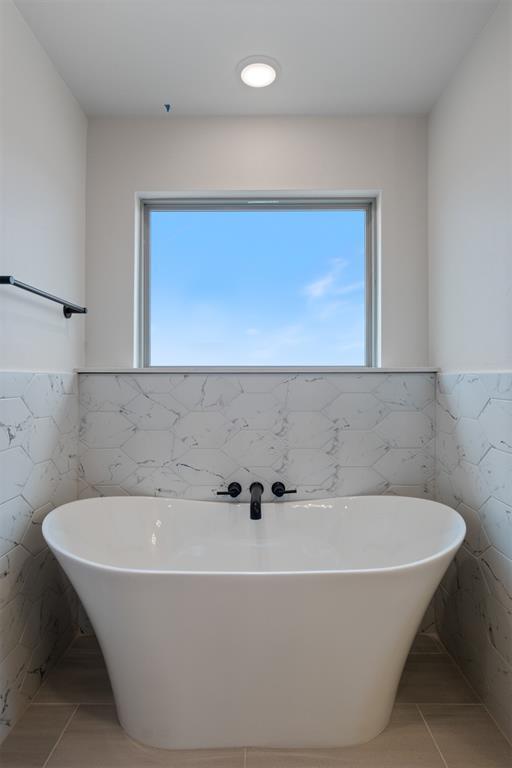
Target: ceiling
x,y
129,57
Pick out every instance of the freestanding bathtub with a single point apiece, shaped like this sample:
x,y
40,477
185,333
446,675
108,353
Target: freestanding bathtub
x,y
220,631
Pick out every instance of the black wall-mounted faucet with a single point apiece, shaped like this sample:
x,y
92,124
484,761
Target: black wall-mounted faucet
x,y
256,489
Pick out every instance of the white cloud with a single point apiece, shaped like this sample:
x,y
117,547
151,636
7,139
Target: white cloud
x,y
326,284
320,287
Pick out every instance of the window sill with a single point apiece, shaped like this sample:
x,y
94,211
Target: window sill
x,y
235,369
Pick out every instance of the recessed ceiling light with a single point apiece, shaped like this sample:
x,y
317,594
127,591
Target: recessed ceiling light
x,y
258,71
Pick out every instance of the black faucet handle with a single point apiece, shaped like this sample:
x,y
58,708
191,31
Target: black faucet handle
x,y
279,489
234,490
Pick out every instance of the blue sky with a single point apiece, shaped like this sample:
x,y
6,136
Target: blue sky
x,y
257,287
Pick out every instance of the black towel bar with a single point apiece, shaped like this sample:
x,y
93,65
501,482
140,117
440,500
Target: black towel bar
x,y
68,307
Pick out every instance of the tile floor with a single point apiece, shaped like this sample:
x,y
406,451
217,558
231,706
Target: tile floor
x,y
437,723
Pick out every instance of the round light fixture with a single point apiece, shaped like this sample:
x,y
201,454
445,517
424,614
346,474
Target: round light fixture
x,y
258,71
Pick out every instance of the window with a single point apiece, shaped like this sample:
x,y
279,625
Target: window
x,y
258,283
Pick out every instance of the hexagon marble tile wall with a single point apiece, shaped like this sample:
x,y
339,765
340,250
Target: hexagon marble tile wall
x,y
38,471
189,435
474,475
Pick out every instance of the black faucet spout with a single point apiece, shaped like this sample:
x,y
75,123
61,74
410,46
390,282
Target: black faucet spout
x,y
256,489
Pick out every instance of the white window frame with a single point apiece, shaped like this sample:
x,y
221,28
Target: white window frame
x,y
262,202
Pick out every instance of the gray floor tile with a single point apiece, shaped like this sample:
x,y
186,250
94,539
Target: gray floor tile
x,y
80,677
405,743
467,737
34,736
94,739
433,679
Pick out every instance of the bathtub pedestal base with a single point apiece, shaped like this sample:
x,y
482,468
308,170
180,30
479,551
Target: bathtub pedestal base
x,y
278,661
230,742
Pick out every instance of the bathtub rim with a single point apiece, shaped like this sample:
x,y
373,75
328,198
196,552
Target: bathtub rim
x,y
452,548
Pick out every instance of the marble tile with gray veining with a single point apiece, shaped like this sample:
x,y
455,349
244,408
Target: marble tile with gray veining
x,y
191,434
38,471
474,475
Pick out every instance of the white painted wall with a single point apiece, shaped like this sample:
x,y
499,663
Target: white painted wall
x,y
42,203
166,155
470,207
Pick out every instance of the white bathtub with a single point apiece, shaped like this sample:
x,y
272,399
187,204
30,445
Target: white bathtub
x,y
222,631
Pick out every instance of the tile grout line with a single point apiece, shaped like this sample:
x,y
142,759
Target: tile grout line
x,y
437,703
67,723
441,703
462,673
430,734
72,703
498,726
